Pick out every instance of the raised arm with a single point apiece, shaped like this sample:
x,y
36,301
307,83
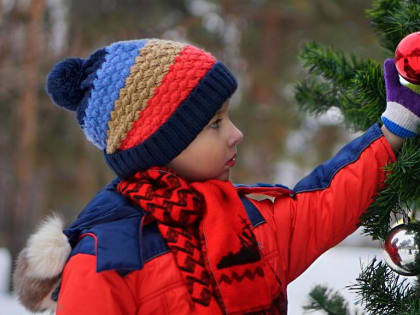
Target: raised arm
x,y
331,199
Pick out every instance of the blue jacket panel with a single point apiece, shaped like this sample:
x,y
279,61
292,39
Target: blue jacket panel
x,y
110,227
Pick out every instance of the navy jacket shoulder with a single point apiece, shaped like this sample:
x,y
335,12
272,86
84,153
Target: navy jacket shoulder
x,y
111,228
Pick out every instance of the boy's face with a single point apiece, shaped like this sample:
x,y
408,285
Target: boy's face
x,y
212,153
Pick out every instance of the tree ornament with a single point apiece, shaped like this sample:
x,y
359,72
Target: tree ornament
x,y
402,251
407,61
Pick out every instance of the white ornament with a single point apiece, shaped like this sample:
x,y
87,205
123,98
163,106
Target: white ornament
x,y
402,251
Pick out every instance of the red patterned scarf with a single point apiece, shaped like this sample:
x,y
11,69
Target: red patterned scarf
x,y
211,238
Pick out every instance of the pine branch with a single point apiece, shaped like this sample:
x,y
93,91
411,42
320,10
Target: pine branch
x,y
402,189
331,65
315,97
354,85
394,19
324,299
382,291
366,96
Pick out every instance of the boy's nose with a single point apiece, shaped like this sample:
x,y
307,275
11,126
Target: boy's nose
x,y
236,136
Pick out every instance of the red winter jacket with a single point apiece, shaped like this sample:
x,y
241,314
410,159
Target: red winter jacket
x,y
120,267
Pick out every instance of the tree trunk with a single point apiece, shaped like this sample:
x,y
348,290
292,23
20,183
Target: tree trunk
x,y
22,216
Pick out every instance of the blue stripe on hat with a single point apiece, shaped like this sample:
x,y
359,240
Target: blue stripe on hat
x,y
90,65
397,129
110,79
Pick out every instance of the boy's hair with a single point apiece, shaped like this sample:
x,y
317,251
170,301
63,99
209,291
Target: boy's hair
x,y
142,101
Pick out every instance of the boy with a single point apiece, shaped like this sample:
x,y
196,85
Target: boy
x,y
172,235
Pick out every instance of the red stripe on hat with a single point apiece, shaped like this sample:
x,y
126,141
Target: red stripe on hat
x,y
189,67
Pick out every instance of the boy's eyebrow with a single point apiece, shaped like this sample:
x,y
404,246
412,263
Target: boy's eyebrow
x,y
223,109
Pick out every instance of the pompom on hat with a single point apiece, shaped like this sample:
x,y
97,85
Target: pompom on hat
x,y
142,101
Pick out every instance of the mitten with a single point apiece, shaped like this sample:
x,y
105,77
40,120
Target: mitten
x,y
402,114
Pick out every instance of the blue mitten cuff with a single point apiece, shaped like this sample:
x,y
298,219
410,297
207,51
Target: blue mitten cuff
x,y
402,114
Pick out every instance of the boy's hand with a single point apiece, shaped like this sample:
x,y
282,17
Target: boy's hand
x,y
402,114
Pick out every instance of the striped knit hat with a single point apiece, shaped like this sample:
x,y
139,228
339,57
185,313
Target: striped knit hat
x,y
142,101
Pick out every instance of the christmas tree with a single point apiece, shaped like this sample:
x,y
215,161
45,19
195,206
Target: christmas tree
x,y
356,86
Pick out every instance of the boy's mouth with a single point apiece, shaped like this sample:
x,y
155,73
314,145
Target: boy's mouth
x,y
232,161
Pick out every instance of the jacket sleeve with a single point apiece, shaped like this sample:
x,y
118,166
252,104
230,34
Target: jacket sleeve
x,y
329,201
87,292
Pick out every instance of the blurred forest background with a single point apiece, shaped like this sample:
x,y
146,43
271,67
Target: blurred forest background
x,y
47,165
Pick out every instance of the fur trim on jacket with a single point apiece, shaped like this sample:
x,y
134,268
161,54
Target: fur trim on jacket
x,y
39,265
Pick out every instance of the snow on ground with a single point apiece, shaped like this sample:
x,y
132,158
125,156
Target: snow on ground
x,y
337,268
8,303
10,306
4,270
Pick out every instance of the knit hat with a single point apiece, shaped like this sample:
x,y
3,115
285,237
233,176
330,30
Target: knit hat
x,y
142,101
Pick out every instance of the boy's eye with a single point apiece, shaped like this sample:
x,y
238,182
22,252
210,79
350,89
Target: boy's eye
x,y
215,124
